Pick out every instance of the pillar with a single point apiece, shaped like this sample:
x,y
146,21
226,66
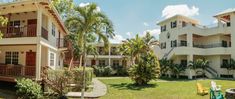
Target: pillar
x,y
38,61
190,58
39,22
190,39
109,55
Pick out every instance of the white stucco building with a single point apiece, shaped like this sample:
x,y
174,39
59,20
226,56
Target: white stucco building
x,y
183,39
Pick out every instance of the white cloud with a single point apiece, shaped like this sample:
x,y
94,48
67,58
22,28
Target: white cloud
x,y
153,32
181,9
83,4
129,34
117,39
86,4
145,24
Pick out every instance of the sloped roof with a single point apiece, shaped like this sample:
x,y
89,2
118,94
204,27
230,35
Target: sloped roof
x,y
230,10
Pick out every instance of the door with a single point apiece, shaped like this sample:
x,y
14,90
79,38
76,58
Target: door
x,y
93,62
31,28
30,63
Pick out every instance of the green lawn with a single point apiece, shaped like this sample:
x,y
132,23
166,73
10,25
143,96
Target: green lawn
x,y
122,88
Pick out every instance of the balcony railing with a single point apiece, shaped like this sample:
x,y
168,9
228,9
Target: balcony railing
x,y
210,45
17,71
17,31
44,33
62,43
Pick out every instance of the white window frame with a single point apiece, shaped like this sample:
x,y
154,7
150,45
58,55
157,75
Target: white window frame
x,y
53,29
54,59
11,56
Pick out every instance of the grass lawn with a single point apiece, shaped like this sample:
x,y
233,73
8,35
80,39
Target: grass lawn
x,y
123,88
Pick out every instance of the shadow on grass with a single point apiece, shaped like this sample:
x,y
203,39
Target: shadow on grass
x,y
130,86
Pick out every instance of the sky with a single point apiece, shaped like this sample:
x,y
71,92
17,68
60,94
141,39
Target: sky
x,y
131,17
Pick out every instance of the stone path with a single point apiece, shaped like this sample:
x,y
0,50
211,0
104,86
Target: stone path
x,y
99,89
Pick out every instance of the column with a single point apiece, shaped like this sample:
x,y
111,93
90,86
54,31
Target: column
x,y
190,39
190,58
38,61
39,22
109,55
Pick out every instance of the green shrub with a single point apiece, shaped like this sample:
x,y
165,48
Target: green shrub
x,y
28,89
120,70
103,71
147,69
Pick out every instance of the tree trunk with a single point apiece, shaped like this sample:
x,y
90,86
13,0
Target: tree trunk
x,y
177,76
80,61
70,63
84,68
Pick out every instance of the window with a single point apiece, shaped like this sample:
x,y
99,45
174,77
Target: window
x,y
52,59
115,62
12,58
174,43
224,63
102,62
184,24
228,24
173,24
53,30
163,28
113,51
163,45
14,27
101,50
183,43
224,43
183,63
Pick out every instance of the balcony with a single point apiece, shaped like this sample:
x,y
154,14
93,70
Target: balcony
x,y
17,31
62,43
214,45
17,71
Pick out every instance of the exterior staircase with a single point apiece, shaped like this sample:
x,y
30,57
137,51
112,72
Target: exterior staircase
x,y
166,55
211,73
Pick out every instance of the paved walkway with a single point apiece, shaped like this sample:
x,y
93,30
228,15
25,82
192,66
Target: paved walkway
x,y
99,89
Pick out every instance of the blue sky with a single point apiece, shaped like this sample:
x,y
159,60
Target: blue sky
x,y
131,17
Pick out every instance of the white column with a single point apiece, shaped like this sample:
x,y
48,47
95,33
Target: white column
x,y
190,58
39,22
109,55
190,39
38,61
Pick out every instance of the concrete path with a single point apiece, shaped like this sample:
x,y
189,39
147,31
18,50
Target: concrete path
x,y
99,89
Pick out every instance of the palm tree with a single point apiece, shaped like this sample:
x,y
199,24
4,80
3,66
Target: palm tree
x,y
176,69
136,46
90,21
199,63
165,65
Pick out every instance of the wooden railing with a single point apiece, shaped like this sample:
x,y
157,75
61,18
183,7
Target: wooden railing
x,y
44,33
62,43
18,31
17,71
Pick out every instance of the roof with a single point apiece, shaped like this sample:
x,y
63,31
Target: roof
x,y
178,16
45,3
225,12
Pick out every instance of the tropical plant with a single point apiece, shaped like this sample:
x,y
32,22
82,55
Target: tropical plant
x,y
147,69
89,20
176,69
28,89
3,22
165,65
136,46
199,64
64,7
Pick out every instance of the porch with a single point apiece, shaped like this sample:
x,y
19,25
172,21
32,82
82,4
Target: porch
x,y
10,72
